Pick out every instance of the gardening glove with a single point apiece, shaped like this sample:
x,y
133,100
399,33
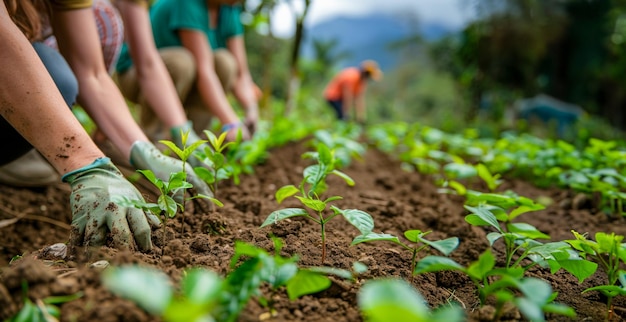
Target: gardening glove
x,y
177,137
94,213
144,155
233,130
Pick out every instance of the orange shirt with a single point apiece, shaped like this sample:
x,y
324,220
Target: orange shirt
x,y
350,77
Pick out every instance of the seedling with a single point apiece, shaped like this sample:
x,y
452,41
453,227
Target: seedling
x,y
536,297
608,252
215,158
45,310
445,246
315,178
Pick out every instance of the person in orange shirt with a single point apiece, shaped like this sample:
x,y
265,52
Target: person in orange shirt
x,y
347,89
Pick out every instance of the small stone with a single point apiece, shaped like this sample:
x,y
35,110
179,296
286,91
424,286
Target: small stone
x,y
55,251
99,265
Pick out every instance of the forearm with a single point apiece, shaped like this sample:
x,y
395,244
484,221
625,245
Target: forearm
x,y
360,109
214,97
160,93
102,100
27,91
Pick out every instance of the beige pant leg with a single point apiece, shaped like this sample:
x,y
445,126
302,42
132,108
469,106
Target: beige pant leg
x,y
226,70
182,69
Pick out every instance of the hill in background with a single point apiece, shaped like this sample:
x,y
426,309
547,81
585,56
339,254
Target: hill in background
x,y
369,37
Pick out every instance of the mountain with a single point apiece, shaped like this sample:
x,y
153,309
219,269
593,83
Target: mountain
x,y
368,37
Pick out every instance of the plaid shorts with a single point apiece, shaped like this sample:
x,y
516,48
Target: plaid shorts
x,y
110,30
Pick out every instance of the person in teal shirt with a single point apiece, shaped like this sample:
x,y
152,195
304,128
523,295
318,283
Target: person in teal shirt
x,y
201,43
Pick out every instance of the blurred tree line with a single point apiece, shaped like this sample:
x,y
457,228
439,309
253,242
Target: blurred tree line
x,y
570,49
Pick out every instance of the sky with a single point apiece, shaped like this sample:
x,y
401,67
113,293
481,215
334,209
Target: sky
x,y
450,13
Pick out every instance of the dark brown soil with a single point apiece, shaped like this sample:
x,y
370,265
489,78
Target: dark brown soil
x,y
397,200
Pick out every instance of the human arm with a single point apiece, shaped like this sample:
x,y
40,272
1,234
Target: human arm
x,y
244,88
208,83
78,41
154,80
31,102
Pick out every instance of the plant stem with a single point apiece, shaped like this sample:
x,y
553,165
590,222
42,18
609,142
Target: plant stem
x,y
164,215
413,263
323,224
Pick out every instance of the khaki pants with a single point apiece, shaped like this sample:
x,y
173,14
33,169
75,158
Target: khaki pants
x,y
181,66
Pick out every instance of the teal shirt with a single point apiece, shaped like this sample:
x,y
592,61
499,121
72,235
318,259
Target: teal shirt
x,y
169,16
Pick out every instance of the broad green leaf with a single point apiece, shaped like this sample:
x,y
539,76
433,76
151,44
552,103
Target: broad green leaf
x,y
535,289
561,309
445,246
324,154
149,288
201,286
167,204
369,237
359,268
151,177
431,264
531,310
413,235
205,174
316,205
459,171
492,237
519,211
306,282
391,300
480,268
527,230
358,218
580,268
278,215
482,217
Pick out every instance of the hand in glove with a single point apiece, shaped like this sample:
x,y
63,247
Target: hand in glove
x,y
94,214
144,155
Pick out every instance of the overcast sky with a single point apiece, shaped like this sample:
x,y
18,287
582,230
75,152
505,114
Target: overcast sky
x,y
451,13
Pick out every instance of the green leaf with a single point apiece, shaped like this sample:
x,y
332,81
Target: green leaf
x,y
344,176
316,205
459,171
358,218
561,309
369,237
445,246
431,264
529,309
306,282
391,300
152,178
324,154
278,215
482,217
173,147
149,288
167,204
201,286
521,210
285,192
480,268
345,274
527,230
413,235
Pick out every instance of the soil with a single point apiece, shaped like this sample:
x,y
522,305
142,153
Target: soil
x,y
398,200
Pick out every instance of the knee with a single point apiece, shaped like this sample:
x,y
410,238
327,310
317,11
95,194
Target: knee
x,y
225,67
180,64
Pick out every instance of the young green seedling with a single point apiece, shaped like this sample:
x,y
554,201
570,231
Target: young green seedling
x,y
608,252
315,177
445,246
41,310
215,158
502,284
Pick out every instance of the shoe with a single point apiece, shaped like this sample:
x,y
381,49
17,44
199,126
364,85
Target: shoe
x,y
29,170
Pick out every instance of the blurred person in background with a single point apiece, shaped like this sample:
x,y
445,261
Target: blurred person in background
x,y
201,43
346,91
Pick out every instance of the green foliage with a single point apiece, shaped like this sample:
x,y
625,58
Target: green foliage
x,y
445,246
609,253
42,310
395,300
311,187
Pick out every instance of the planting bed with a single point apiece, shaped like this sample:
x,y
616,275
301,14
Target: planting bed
x,y
396,199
